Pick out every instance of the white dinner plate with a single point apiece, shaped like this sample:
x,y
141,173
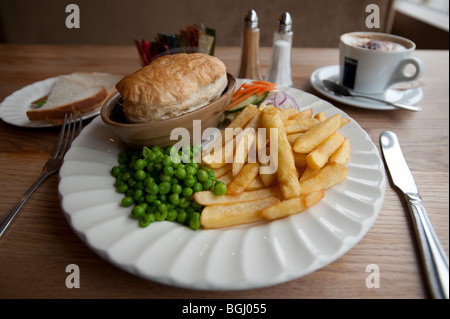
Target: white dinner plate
x,y
13,109
235,258
410,96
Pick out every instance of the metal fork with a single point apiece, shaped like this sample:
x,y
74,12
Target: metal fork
x,y
70,128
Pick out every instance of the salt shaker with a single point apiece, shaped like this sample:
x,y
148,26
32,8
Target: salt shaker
x,y
280,65
249,67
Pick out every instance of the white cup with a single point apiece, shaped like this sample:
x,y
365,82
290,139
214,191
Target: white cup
x,y
371,62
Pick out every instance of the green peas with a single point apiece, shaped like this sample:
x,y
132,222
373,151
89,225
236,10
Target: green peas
x,y
147,219
122,188
140,164
171,215
166,161
132,182
139,185
164,187
162,208
189,181
138,194
152,188
202,175
174,199
156,202
152,157
164,178
220,189
185,158
198,187
187,191
144,205
182,216
184,203
156,148
194,222
140,175
158,184
190,170
176,189
115,171
126,176
168,170
162,198
150,198
127,201
197,149
160,216
208,185
151,167
148,181
137,212
181,173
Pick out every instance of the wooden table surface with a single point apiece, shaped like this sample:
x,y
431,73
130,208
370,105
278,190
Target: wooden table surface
x,y
39,244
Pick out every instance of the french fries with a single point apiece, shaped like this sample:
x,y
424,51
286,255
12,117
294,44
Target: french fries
x,y
321,116
239,121
317,134
342,154
245,143
219,172
299,126
320,155
219,216
239,184
325,178
292,206
292,138
286,173
305,114
310,158
288,113
207,198
257,183
268,179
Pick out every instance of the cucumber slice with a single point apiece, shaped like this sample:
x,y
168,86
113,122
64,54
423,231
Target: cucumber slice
x,y
261,98
238,107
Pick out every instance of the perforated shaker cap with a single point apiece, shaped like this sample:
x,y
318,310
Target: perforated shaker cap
x,y
285,22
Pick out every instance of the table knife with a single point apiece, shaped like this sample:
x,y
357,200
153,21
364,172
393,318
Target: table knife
x,y
434,257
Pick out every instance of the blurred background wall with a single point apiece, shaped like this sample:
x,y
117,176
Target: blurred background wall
x,y
317,23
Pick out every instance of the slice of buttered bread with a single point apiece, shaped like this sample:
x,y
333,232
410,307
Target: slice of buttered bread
x,y
76,92
108,81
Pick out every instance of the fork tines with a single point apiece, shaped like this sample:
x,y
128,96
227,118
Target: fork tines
x,y
70,128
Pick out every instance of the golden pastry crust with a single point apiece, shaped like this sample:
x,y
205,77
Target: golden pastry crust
x,y
172,85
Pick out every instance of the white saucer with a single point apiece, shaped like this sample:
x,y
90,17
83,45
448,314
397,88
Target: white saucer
x,y
408,96
13,109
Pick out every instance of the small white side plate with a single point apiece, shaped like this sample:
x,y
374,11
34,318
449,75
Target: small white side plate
x,y
409,96
13,109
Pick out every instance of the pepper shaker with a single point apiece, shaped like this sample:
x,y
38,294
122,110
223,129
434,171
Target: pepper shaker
x,y
249,67
280,64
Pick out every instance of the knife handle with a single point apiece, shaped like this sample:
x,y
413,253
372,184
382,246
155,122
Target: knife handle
x,y
433,254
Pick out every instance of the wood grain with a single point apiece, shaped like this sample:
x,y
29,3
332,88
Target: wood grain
x,y
40,243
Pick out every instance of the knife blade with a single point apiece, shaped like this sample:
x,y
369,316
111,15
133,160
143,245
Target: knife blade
x,y
434,257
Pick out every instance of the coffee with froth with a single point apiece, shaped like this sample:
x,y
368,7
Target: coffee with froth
x,y
371,62
374,42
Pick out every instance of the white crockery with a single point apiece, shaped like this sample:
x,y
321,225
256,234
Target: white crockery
x,y
372,71
13,109
235,258
410,96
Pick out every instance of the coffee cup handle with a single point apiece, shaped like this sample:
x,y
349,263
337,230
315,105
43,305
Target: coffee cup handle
x,y
401,76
